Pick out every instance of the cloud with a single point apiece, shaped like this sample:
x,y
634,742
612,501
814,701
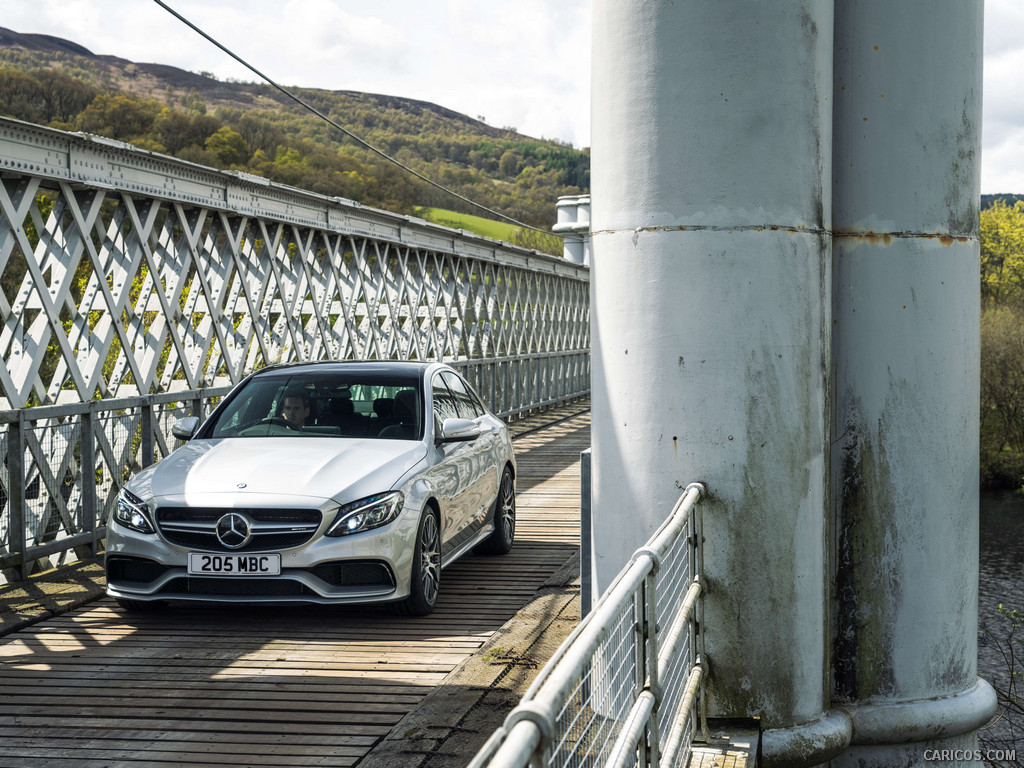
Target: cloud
x,y
1002,157
1001,169
1004,23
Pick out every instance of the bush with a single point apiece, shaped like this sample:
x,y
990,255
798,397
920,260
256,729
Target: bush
x,y
1002,397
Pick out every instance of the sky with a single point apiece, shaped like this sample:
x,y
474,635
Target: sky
x,y
523,64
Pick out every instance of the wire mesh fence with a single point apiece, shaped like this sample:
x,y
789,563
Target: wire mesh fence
x,y
589,723
625,689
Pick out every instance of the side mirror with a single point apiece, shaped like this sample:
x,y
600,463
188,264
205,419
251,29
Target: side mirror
x,y
183,429
458,431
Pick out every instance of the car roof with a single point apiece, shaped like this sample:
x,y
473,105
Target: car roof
x,y
409,367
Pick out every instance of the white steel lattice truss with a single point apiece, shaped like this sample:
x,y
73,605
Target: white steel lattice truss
x,y
128,274
119,296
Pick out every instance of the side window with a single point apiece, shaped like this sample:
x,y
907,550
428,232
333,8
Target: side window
x,y
469,408
444,403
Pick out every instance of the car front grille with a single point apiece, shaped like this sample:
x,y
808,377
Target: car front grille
x,y
209,541
272,529
259,514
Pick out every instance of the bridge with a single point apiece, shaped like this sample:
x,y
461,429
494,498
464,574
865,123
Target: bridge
x,y
144,288
784,308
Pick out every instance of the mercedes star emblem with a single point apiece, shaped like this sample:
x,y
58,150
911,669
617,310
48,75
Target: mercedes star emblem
x,y
234,530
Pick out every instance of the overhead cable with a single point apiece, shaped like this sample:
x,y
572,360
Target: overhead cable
x,y
341,128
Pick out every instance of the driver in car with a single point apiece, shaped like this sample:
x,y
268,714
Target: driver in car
x,y
295,408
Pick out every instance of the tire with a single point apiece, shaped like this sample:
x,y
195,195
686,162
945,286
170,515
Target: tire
x,y
504,533
425,582
139,606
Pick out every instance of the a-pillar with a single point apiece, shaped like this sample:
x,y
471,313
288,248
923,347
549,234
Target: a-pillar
x,y
906,306
711,189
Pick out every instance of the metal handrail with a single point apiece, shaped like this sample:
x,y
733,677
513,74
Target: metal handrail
x,y
538,730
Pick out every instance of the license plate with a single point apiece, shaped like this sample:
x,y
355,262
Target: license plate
x,y
202,563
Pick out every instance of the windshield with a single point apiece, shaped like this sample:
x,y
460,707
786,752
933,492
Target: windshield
x,y
324,404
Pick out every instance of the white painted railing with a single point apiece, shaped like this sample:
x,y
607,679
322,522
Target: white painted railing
x,y
625,688
63,465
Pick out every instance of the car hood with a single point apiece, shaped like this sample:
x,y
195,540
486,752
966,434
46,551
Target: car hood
x,y
281,466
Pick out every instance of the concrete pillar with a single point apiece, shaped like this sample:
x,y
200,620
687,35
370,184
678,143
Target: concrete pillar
x,y
711,184
906,158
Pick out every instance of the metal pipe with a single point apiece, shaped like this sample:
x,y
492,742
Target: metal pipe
x,y
679,625
586,542
701,654
517,748
16,493
624,750
681,717
87,473
652,660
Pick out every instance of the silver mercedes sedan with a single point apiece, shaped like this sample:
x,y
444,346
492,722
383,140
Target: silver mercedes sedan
x,y
330,482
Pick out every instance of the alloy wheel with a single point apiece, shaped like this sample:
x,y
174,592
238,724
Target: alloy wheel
x,y
508,508
430,559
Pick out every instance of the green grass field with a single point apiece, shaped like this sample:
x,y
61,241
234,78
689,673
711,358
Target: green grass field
x,y
497,230
478,225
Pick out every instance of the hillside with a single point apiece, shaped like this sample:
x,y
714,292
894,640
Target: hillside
x,y
253,128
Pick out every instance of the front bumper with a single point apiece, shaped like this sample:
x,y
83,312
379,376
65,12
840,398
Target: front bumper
x,y
369,567
348,581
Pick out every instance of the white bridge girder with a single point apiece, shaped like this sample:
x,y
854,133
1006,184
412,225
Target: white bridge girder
x,y
134,271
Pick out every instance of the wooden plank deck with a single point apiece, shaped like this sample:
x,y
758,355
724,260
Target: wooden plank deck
x,y
298,686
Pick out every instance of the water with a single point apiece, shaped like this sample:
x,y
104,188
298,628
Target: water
x,y
1001,582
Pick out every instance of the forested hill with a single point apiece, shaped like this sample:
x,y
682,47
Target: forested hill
x,y
252,127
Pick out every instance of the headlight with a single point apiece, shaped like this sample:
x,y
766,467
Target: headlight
x,y
132,512
362,515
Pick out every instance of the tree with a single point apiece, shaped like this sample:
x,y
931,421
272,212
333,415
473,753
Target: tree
x,y
1002,253
229,146
177,130
538,241
508,164
1002,345
20,96
62,96
478,161
119,117
1002,373
258,132
1009,688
